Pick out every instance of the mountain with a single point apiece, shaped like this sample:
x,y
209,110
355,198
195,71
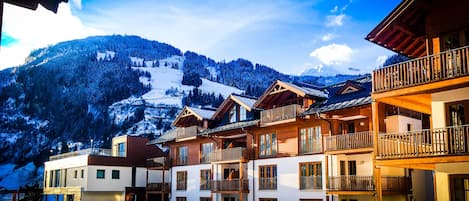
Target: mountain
x,y
103,86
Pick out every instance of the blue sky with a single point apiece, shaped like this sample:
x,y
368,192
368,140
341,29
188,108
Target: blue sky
x,y
290,36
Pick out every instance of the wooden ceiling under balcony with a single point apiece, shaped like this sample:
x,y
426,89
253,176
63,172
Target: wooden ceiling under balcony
x,y
403,30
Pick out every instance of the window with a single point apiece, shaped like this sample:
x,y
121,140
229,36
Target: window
x,y
459,187
121,149
180,198
207,148
70,197
242,114
205,199
351,127
82,174
181,178
268,177
115,174
75,174
233,115
311,175
51,177
100,174
57,178
268,145
409,127
181,155
352,167
310,140
342,168
205,179
267,199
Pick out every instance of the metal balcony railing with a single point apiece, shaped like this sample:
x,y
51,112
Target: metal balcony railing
x,y
230,185
90,151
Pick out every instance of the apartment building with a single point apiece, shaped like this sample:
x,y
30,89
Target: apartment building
x,y
296,142
434,83
113,174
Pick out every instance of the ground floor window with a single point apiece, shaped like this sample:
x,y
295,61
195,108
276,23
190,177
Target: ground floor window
x,y
205,199
180,198
311,175
267,199
459,187
268,177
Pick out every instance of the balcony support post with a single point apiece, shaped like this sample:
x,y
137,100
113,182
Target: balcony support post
x,y
241,178
327,170
376,170
163,185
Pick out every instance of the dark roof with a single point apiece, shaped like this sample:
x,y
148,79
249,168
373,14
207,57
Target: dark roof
x,y
232,126
51,5
338,100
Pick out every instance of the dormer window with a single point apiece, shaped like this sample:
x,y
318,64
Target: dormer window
x,y
242,114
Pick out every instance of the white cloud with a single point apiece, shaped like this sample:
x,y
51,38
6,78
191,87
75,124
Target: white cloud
x,y
335,20
36,29
327,37
333,54
335,9
380,60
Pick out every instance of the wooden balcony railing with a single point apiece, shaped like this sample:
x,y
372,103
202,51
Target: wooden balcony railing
x,y
288,112
183,133
351,183
349,141
159,187
229,155
396,184
424,143
268,183
230,185
311,182
432,68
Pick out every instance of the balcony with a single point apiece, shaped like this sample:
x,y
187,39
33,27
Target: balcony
x,y
389,184
393,184
280,115
158,162
351,183
186,133
234,185
237,154
424,143
90,151
351,141
268,183
159,187
311,182
433,68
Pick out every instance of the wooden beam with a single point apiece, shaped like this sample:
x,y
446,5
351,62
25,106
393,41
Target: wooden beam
x,y
411,105
396,39
350,192
350,151
379,189
403,43
421,161
422,166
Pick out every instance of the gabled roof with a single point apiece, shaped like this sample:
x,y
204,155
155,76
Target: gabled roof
x,y
245,101
199,114
403,30
280,86
338,100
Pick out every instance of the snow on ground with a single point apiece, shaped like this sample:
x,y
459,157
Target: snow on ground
x,y
163,78
173,60
14,178
103,55
136,61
